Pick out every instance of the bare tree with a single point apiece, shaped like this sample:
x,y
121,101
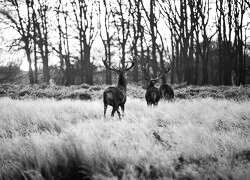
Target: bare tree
x,y
136,14
34,36
107,36
63,42
43,37
86,16
22,22
151,17
187,23
230,15
203,8
179,35
122,20
161,49
240,10
59,10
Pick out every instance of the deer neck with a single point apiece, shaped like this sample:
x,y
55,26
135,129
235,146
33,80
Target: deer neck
x,y
151,84
163,83
122,81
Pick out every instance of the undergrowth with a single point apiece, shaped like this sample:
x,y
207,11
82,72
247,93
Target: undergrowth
x,y
86,92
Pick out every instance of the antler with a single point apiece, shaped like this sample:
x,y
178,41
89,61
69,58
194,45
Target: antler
x,y
126,68
108,67
165,72
132,64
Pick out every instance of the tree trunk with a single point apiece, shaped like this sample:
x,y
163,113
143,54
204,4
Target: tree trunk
x,y
197,60
35,45
35,64
178,64
204,68
190,63
88,67
46,63
31,78
142,59
164,81
82,61
220,70
108,72
135,68
46,76
153,37
173,60
241,64
67,72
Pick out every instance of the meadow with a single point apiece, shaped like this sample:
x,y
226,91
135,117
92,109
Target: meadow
x,y
203,134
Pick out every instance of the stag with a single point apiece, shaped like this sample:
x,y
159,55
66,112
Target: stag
x,y
166,91
153,95
115,96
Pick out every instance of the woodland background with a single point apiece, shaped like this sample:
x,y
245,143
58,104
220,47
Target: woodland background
x,y
206,42
51,117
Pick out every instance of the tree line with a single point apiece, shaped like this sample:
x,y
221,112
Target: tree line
x,y
204,41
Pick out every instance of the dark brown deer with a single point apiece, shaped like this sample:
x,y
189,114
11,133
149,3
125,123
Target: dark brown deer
x,y
115,96
166,91
152,95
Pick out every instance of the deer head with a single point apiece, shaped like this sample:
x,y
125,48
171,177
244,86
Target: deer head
x,y
152,81
120,70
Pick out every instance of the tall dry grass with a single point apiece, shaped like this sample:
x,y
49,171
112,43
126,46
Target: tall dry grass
x,y
192,139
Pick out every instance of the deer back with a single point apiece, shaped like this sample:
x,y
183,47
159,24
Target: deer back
x,y
166,92
152,95
114,96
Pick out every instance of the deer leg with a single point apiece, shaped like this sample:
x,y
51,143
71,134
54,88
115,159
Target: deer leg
x,y
122,107
114,110
105,109
118,112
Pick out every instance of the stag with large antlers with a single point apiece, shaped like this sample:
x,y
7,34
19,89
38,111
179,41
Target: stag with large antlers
x,y
153,95
116,96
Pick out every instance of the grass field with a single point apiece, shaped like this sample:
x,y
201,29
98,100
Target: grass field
x,y
200,138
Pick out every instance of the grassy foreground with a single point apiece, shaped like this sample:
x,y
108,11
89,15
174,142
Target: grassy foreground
x,y
186,139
